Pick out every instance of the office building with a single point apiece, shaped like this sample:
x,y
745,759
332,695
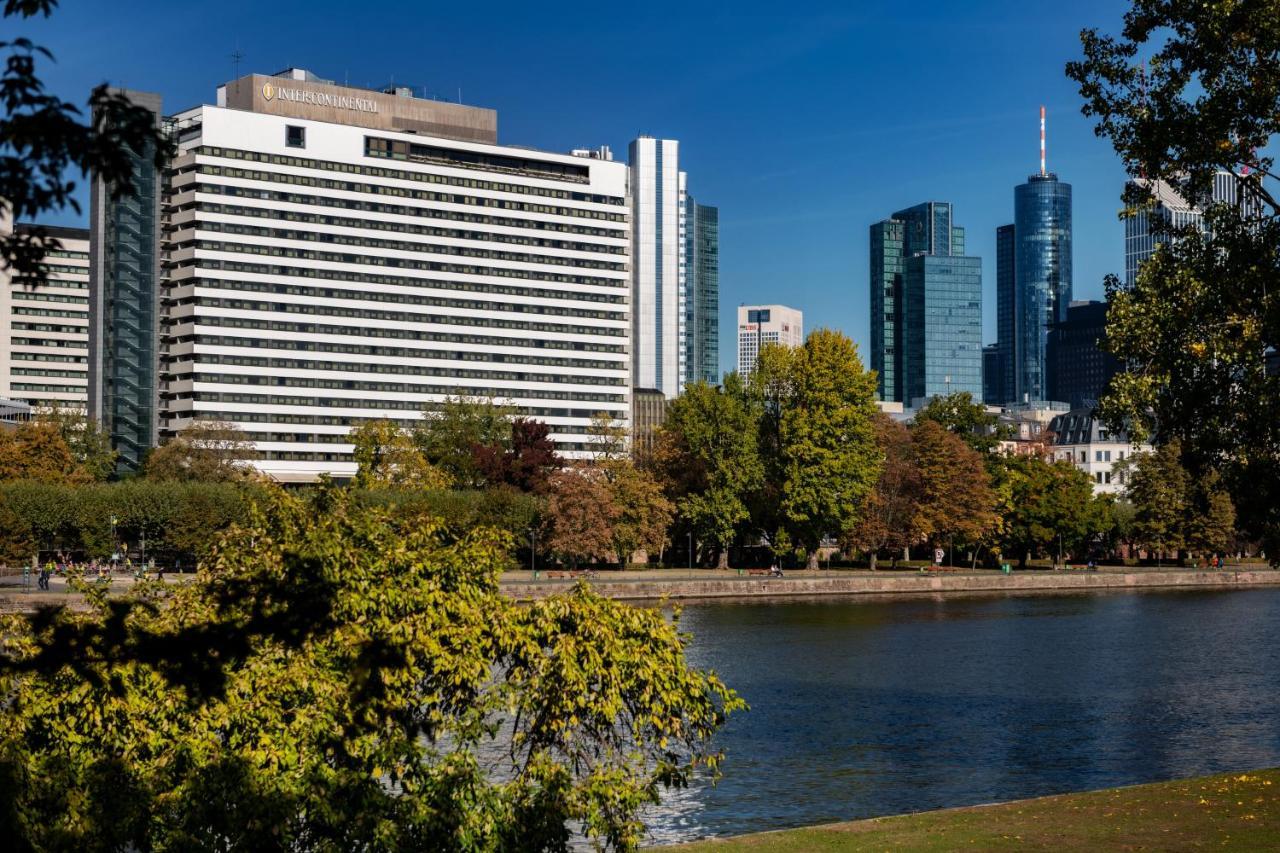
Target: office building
x,y
1169,213
1001,385
926,306
44,328
124,304
992,374
702,293
759,325
337,254
1079,370
648,412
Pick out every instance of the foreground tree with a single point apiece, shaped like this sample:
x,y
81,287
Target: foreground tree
x,y
205,452
708,457
823,404
1197,325
328,683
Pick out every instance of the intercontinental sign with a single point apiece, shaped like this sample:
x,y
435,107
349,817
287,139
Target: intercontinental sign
x,y
271,91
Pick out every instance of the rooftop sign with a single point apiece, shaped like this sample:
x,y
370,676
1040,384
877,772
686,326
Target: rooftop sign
x,y
271,91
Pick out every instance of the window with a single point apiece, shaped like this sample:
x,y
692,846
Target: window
x,y
295,137
1097,475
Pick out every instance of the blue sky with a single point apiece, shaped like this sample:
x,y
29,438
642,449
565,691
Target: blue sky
x,y
803,125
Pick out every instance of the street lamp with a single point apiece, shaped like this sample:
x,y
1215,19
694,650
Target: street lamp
x,y
691,550
533,550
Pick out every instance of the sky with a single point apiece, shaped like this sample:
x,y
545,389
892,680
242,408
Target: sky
x,y
803,122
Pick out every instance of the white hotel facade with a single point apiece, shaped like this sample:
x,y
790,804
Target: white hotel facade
x,y
335,255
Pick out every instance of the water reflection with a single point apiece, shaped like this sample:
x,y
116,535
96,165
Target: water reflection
x,y
868,708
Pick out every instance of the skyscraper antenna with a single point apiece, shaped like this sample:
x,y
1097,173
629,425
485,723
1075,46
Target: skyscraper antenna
x,y
1042,171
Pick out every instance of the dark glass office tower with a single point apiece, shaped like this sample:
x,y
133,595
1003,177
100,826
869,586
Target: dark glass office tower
x,y
1079,370
1001,385
124,305
702,298
926,298
1042,278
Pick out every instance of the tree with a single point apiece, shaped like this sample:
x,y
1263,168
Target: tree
x,y
338,680
1197,324
387,457
36,450
44,142
451,431
959,414
206,452
826,440
892,516
956,500
580,516
1211,520
1158,486
526,464
1050,504
88,441
709,460
643,512
608,441
17,545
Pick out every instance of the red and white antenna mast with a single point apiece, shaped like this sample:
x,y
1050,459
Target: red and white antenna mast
x,y
1042,171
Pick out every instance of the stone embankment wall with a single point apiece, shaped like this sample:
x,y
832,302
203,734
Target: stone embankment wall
x,y
902,584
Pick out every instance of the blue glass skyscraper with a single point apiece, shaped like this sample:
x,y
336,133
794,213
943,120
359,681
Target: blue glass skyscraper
x,y
926,298
1033,282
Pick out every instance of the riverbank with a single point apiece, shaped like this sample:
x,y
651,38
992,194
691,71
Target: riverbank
x,y
1233,811
712,584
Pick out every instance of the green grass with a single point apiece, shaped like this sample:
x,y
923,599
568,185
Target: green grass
x,y
1235,811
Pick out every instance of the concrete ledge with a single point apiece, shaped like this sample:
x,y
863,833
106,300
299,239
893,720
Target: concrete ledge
x,y
902,585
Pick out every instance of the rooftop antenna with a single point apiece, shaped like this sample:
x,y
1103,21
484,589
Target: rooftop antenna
x,y
236,56
1042,171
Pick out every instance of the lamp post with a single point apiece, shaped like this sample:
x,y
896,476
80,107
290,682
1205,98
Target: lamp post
x,y
533,551
691,550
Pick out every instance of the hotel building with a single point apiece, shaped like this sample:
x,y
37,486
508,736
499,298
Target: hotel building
x,y
334,255
759,325
44,332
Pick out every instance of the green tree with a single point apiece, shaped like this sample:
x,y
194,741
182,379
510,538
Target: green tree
x,y
1050,507
204,452
824,407
88,441
17,545
709,460
328,683
1211,520
387,456
1158,488
956,500
46,141
892,517
959,414
643,512
451,431
1197,324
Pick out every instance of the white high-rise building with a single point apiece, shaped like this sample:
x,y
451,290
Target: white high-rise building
x,y
335,255
659,264
1139,240
44,330
766,324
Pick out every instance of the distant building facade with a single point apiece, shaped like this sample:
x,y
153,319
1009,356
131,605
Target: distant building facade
x,y
759,325
992,375
1081,438
702,292
44,329
1006,323
926,306
648,413
1079,369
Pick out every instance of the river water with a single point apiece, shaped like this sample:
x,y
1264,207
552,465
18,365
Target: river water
x,y
861,709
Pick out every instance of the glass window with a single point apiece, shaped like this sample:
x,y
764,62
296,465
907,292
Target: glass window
x,y
295,137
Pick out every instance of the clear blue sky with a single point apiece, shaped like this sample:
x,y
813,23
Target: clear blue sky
x,y
803,122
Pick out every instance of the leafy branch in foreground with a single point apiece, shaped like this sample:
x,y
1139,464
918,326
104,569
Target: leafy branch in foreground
x,y
337,679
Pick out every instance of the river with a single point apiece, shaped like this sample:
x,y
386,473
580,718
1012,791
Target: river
x,y
861,708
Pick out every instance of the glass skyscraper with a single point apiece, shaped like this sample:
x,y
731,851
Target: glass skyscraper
x,y
1033,282
926,298
124,305
702,297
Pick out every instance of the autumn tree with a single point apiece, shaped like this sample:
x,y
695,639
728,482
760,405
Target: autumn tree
x,y
88,441
1186,92
36,450
708,456
204,451
526,464
958,413
822,402
326,682
956,500
386,456
642,513
452,431
891,518
580,516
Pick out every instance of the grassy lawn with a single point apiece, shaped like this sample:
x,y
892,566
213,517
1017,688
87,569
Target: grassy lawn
x,y
1235,811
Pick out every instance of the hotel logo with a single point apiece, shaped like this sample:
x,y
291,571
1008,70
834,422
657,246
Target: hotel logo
x,y
271,92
